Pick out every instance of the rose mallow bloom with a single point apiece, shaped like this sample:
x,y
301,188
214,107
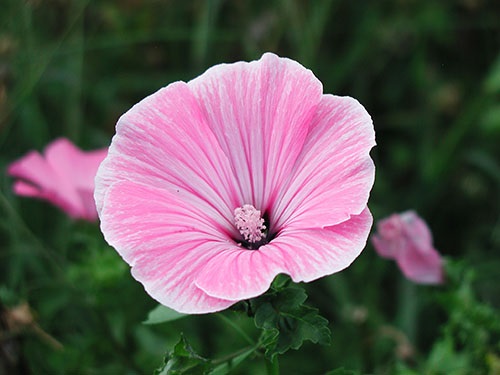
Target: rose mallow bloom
x,y
63,175
213,187
406,238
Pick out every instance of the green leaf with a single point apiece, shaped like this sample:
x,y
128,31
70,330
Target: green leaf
x,y
184,360
444,359
281,281
162,314
287,322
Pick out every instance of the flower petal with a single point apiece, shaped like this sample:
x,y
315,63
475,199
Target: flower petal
x,y
164,141
33,169
421,266
260,113
36,171
309,254
417,258
415,229
64,158
390,238
334,174
76,170
74,165
304,254
166,242
238,273
27,190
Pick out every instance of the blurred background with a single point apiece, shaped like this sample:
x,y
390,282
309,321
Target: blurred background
x,y
427,71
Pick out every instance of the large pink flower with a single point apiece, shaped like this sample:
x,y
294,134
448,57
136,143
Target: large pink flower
x,y
406,238
64,176
213,187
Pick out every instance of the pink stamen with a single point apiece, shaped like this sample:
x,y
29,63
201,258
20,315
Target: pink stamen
x,y
249,222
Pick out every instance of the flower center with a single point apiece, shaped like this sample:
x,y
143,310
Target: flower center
x,y
249,222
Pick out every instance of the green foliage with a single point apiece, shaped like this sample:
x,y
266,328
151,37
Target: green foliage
x,y
230,364
286,322
445,359
184,360
472,332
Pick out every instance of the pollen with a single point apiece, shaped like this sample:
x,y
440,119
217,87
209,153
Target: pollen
x,y
250,223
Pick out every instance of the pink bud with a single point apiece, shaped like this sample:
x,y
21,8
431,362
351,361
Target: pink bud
x,y
406,238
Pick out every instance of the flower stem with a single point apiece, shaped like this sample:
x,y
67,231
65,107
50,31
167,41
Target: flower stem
x,y
407,309
231,356
273,366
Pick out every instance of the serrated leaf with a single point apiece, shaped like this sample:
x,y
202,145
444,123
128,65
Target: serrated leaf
x,y
269,337
162,314
287,322
266,316
298,325
281,281
183,360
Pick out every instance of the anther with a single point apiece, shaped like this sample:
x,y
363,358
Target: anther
x,y
249,222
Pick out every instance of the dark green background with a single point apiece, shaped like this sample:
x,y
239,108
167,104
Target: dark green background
x,y
427,71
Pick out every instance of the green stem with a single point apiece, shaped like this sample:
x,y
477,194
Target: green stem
x,y
231,356
273,367
407,309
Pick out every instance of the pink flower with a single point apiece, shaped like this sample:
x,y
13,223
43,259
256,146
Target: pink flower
x,y
407,239
213,187
64,176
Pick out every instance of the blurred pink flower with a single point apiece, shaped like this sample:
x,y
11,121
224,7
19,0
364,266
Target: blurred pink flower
x,y
406,238
64,176
213,187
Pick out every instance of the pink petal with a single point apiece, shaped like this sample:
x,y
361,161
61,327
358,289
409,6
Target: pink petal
x,y
384,248
74,165
166,241
34,169
76,170
334,173
26,190
75,175
238,273
313,253
389,238
421,266
419,260
260,113
304,254
64,176
88,211
164,141
416,230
